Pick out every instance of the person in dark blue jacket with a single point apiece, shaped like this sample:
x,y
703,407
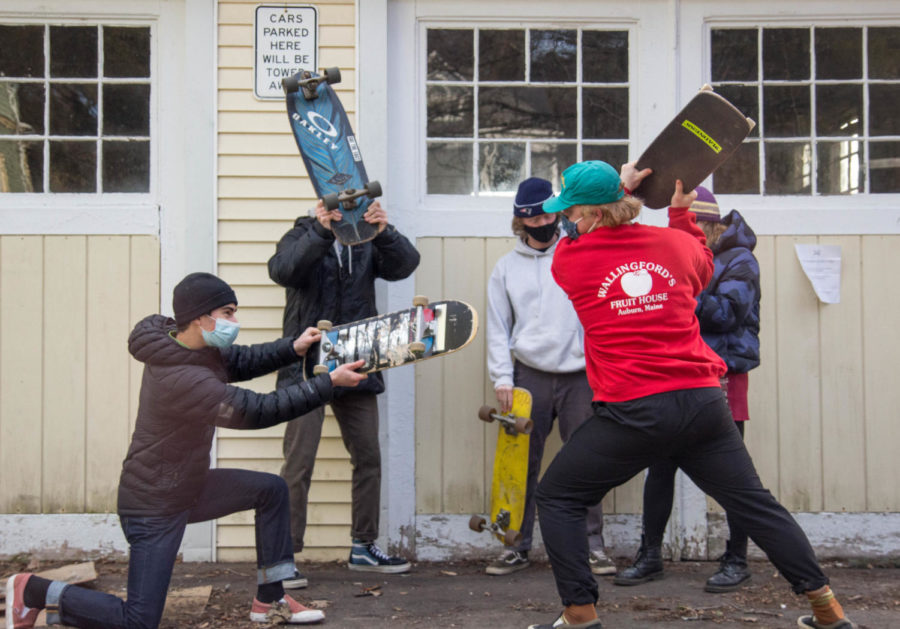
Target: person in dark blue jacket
x,y
728,311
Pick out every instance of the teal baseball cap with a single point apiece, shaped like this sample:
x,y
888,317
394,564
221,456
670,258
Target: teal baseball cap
x,y
587,183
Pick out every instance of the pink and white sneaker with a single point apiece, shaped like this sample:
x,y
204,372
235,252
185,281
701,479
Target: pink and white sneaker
x,y
287,609
18,616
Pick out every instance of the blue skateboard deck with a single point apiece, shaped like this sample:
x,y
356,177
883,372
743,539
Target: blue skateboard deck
x,y
330,153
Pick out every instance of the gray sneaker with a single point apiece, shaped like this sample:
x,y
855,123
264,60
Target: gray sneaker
x,y
600,563
510,561
296,582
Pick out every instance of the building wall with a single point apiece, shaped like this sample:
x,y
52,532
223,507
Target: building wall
x,y
262,188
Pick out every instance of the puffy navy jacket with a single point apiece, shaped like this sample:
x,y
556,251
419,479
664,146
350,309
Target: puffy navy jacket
x,y
728,308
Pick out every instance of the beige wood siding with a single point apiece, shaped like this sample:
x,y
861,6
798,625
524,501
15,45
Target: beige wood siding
x,y
262,188
68,387
823,404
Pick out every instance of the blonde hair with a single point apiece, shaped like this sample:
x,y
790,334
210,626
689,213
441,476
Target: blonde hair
x,y
614,214
518,227
712,230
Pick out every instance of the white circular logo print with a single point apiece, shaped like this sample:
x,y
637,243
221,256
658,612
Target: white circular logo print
x,y
322,123
637,283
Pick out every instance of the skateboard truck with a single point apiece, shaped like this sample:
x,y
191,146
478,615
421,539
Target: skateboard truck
x,y
500,528
417,347
309,84
511,424
348,199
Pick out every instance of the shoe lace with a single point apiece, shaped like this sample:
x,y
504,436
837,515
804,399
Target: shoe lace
x,y
377,552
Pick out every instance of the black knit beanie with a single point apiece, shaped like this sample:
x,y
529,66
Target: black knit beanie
x,y
199,294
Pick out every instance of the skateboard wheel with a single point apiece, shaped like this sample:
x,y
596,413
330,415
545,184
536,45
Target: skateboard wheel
x,y
511,537
420,300
290,84
417,347
524,425
373,189
331,201
486,413
332,75
320,369
477,523
324,325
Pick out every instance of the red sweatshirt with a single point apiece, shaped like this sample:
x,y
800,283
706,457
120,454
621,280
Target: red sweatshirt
x,y
634,288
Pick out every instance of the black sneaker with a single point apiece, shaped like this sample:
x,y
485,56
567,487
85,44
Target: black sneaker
x,y
367,557
296,582
809,622
509,562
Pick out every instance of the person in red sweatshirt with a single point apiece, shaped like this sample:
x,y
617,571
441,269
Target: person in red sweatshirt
x,y
656,388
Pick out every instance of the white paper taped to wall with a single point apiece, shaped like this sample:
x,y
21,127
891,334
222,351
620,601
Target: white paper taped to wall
x,y
822,265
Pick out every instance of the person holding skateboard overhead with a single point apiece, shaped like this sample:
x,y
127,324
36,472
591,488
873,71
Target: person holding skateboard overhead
x,y
327,280
728,310
656,387
534,342
190,364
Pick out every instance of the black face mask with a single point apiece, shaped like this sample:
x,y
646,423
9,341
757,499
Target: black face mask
x,y
544,233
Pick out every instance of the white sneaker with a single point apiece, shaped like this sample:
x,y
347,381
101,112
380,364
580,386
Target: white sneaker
x,y
600,563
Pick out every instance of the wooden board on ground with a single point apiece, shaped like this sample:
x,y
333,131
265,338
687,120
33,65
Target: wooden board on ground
x,y
188,601
73,574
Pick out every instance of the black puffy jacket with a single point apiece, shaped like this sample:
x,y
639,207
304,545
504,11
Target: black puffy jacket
x,y
319,285
184,395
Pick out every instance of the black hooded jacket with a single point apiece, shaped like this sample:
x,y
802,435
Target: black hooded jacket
x,y
184,395
320,285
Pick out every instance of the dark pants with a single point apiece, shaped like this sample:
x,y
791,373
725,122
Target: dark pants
x,y
154,543
691,428
357,417
659,490
566,396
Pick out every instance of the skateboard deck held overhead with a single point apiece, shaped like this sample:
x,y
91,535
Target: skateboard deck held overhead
x,y
396,338
510,470
330,152
697,141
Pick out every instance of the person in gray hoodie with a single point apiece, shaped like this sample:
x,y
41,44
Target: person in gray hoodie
x,y
535,342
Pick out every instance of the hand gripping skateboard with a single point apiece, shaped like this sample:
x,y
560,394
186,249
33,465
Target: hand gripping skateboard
x,y
697,141
389,340
330,152
510,470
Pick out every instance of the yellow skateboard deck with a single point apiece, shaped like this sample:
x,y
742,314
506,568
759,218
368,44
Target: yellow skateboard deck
x,y
510,469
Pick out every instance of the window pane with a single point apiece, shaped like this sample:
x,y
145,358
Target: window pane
x,y
450,112
734,55
613,154
553,56
22,52
73,167
745,98
501,166
538,112
839,169
785,54
786,111
126,52
126,166
73,51
884,117
839,109
548,161
73,109
449,168
21,166
604,56
884,53
21,108
501,55
838,53
126,110
788,168
450,54
739,174
884,167
605,113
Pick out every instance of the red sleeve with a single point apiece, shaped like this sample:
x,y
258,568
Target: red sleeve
x,y
683,219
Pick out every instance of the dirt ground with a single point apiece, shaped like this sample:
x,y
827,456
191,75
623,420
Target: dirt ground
x,y
459,594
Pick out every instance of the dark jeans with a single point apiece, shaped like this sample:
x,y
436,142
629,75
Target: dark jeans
x,y
659,490
693,429
154,543
566,396
357,417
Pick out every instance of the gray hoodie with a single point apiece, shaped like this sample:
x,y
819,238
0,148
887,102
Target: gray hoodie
x,y
530,318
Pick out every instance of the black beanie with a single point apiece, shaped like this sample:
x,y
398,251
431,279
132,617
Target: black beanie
x,y
199,294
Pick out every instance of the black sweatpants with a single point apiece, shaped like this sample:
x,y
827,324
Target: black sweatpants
x,y
693,429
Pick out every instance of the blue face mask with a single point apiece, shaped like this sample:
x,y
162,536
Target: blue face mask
x,y
571,227
224,334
